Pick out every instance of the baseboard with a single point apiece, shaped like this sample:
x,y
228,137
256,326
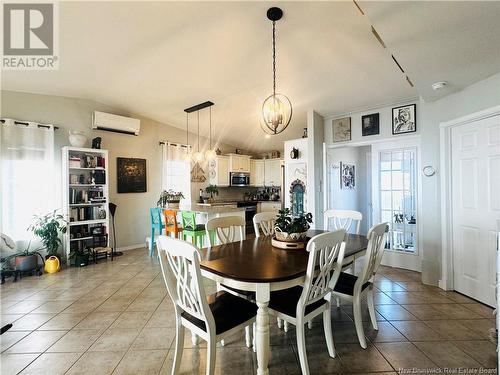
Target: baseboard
x,y
442,284
132,247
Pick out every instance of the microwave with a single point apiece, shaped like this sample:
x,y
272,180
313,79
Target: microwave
x,y
239,179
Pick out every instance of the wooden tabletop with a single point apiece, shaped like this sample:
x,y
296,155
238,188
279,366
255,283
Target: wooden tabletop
x,y
256,260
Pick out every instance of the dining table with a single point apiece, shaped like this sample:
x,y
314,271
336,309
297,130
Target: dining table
x,y
255,265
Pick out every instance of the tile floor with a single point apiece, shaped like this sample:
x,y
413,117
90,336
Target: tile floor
x,y
115,317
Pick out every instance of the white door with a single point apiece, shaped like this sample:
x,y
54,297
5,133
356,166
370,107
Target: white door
x,y
395,198
475,181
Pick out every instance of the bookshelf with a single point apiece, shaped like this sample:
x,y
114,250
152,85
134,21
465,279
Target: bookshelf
x,y
85,195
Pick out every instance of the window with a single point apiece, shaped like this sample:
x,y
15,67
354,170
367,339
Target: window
x,y
398,198
176,170
27,184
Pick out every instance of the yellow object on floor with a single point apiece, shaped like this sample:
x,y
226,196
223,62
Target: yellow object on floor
x,y
52,265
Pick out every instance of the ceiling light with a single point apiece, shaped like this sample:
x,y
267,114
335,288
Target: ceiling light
x,y
439,85
277,108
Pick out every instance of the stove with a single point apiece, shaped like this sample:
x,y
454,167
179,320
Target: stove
x,y
250,211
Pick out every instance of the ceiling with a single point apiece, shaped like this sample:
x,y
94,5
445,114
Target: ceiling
x,y
157,58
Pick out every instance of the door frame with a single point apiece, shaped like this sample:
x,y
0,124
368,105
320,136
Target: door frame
x,y
445,128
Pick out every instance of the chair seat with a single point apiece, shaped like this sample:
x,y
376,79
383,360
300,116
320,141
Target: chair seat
x,y
345,284
199,227
245,293
285,301
102,249
228,310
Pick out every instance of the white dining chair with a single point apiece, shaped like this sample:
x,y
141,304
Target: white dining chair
x,y
343,219
213,317
300,304
224,229
352,288
264,222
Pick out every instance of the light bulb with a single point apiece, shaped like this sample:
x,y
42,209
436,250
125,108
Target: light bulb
x,y
210,154
276,113
198,156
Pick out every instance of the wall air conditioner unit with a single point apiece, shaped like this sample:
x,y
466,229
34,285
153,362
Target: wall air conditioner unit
x,y
115,123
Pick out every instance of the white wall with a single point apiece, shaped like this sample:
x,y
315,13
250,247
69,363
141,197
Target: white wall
x,y
315,139
132,216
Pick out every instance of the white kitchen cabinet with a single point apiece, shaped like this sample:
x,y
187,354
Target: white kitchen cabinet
x,y
257,175
239,163
272,172
218,171
270,206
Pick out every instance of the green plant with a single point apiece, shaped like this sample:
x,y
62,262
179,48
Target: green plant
x,y
212,190
49,227
285,222
169,196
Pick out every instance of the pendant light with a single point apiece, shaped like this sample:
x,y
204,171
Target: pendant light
x,y
198,156
277,108
188,155
210,154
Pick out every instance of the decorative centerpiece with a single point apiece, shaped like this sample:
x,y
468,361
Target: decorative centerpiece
x,y
212,190
170,199
290,231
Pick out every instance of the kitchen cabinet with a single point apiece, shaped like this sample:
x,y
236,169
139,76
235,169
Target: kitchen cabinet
x,y
271,206
272,172
239,163
218,171
257,175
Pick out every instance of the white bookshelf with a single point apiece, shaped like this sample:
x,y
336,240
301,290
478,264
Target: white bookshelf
x,y
80,183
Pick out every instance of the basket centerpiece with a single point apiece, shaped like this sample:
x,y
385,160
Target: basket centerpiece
x,y
290,231
170,199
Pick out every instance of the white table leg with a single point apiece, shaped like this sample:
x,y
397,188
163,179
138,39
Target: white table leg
x,y
262,297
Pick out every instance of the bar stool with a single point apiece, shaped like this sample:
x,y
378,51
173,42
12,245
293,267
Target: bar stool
x,y
156,225
171,225
191,229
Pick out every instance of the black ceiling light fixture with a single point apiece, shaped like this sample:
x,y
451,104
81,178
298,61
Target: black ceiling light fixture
x,y
277,108
199,156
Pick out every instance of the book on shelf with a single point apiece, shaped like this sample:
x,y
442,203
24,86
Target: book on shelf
x,y
87,213
91,195
87,161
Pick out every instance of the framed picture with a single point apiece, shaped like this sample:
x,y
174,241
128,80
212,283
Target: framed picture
x,y
341,129
131,175
370,124
404,119
347,176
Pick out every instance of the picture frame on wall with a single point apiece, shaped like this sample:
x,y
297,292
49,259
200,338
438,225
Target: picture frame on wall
x,y
347,176
370,124
404,119
341,129
131,175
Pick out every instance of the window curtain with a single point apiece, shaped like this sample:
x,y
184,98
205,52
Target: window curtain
x,y
176,170
27,175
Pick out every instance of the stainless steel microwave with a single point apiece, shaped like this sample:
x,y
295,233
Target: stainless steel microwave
x,y
239,179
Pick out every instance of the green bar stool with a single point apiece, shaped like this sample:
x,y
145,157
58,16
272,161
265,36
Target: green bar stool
x,y
191,229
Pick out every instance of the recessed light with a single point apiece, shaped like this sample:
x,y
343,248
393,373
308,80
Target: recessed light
x,y
439,85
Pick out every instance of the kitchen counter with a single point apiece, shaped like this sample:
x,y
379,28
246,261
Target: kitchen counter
x,y
211,210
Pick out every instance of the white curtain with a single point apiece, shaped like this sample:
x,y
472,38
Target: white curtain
x,y
176,170
27,175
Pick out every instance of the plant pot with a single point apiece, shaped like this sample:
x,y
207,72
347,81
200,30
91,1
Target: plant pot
x,y
290,237
173,204
26,262
77,138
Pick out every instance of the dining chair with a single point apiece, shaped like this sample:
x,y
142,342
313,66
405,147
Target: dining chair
x,y
171,224
212,317
156,226
300,304
352,288
264,222
224,229
190,229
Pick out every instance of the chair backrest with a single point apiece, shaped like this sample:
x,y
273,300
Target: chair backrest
x,y
180,266
342,219
377,237
264,222
326,253
188,219
155,214
170,220
225,228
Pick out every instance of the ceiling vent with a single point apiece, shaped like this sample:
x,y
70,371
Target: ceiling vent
x,y
115,123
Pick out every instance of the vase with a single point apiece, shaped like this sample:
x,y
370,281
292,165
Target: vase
x,y
173,204
77,138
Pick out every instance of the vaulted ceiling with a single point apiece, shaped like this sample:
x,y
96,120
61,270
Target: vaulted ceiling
x,y
157,58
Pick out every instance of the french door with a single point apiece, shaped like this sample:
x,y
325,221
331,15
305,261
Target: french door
x,y
395,200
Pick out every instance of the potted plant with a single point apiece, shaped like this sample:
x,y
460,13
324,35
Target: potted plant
x,y
49,228
26,260
212,190
290,228
170,199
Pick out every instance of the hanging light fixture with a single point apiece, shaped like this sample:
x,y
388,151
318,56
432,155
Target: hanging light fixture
x,y
210,154
188,155
198,156
277,108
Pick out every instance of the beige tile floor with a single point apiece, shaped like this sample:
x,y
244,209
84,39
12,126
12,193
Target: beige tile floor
x,y
115,317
